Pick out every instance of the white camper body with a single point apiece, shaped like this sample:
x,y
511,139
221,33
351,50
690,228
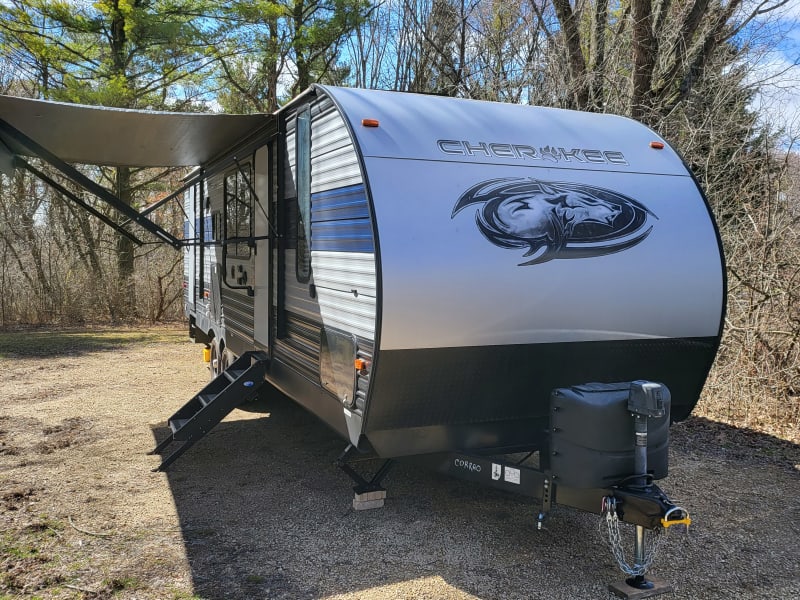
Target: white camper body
x,y
472,256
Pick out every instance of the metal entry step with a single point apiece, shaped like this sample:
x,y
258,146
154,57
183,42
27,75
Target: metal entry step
x,y
231,388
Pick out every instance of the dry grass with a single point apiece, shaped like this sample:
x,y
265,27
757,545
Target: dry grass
x,y
737,396
256,510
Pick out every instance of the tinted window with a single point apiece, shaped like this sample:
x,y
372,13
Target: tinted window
x,y
238,211
303,165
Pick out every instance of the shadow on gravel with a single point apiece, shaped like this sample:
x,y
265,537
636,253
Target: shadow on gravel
x,y
712,438
265,514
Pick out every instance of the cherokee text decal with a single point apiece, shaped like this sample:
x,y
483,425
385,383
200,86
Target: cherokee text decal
x,y
525,152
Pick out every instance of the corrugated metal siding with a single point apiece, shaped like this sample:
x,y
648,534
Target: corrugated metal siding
x,y
208,255
352,235
341,203
298,296
340,221
214,190
237,312
343,310
194,296
300,347
334,163
290,147
345,271
342,243
190,253
343,296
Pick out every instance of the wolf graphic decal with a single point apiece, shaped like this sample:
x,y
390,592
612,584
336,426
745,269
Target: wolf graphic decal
x,y
556,219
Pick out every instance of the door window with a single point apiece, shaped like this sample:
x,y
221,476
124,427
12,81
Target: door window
x,y
238,211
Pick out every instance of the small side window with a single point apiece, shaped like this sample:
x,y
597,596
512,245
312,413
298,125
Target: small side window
x,y
238,211
303,166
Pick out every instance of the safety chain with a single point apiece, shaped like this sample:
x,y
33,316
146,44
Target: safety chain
x,y
613,537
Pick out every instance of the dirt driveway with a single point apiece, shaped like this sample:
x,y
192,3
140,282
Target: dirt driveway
x,y
257,510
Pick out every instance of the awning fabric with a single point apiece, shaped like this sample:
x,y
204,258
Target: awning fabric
x,y
120,137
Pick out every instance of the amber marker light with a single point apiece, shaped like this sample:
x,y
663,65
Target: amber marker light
x,y
657,145
360,364
370,122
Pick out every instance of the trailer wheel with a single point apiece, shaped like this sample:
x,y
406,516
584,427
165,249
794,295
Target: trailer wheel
x,y
227,358
214,363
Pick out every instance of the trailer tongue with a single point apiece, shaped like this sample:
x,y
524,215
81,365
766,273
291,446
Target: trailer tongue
x,y
596,460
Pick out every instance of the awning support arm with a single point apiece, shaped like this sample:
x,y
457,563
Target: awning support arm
x,y
255,196
82,180
172,196
77,200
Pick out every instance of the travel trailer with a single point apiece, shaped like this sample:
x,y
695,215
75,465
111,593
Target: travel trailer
x,y
438,277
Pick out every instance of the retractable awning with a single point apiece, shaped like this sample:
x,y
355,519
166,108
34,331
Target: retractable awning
x,y
60,134
98,135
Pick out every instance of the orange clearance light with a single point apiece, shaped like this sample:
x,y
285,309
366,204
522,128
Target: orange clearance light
x,y
360,364
370,122
657,145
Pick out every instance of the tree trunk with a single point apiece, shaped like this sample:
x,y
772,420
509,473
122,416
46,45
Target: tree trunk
x,y
598,54
644,57
300,52
579,96
126,290
272,66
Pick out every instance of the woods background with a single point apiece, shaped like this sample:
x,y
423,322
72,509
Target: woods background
x,y
694,70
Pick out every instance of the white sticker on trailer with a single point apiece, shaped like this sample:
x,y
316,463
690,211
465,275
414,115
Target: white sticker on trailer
x,y
496,471
512,475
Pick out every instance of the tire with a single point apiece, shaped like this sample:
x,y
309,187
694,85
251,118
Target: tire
x,y
227,358
214,363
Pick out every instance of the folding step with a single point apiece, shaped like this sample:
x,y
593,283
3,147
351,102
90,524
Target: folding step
x,y
233,374
206,399
231,388
177,424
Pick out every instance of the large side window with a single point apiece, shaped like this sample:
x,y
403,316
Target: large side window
x,y
238,211
303,165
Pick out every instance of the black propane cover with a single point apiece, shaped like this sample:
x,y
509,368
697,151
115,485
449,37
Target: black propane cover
x,y
592,436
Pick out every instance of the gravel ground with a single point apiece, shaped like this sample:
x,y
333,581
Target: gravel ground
x,y
257,510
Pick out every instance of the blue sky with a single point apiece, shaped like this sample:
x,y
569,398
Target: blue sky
x,y
775,64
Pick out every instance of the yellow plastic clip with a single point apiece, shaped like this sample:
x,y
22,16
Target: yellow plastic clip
x,y
667,522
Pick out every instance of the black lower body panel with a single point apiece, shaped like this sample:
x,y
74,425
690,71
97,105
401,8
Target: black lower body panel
x,y
496,398
308,394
